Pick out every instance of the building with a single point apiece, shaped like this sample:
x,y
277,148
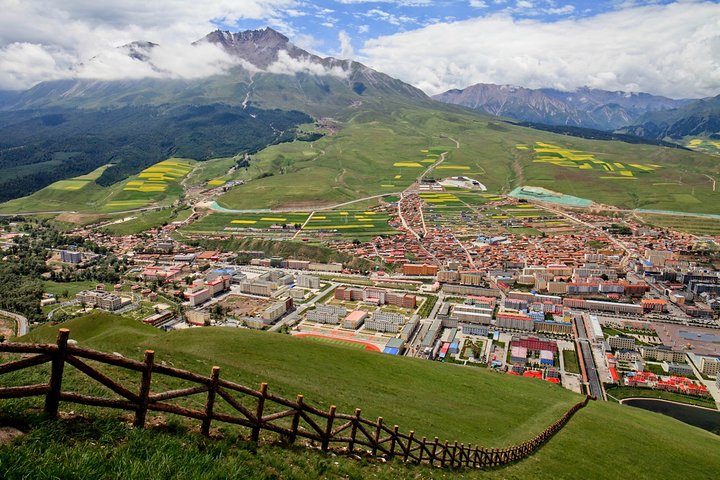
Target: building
x,y
552,327
547,358
654,305
69,256
514,321
355,319
326,314
472,314
678,368
99,299
325,267
308,281
379,326
197,317
158,318
535,345
518,354
474,329
348,294
263,289
409,329
424,269
662,354
404,300
710,365
621,342
470,290
599,306
277,310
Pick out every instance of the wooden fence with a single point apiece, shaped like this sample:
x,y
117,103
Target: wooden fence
x,y
295,418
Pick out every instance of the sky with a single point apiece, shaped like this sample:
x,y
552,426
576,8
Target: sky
x,y
662,47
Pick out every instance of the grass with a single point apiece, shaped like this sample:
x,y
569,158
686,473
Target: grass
x,y
146,220
570,360
427,306
235,222
370,152
156,185
58,288
629,392
473,405
694,225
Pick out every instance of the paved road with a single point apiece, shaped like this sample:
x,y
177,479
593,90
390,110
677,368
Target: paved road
x,y
23,328
592,374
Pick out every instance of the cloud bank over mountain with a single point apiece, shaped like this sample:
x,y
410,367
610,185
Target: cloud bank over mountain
x,y
670,49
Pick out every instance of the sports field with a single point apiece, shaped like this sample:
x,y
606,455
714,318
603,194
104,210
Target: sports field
x,y
339,341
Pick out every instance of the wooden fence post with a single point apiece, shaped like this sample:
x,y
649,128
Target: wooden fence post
x,y
210,403
376,441
353,432
406,453
433,457
255,436
393,440
52,399
444,455
328,428
296,419
422,449
141,413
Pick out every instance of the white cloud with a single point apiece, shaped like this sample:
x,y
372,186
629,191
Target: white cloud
x,y
346,48
286,65
671,49
21,64
42,39
388,17
400,3
478,4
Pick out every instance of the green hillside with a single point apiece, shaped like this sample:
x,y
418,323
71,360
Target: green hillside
x,y
382,150
472,405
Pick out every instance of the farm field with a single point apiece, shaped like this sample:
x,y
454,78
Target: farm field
x,y
331,223
694,225
152,185
512,408
232,223
704,145
156,185
349,223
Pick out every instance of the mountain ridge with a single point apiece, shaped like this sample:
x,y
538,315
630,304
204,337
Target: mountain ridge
x,y
585,107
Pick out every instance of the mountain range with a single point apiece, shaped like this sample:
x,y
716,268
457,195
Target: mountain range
x,y
584,107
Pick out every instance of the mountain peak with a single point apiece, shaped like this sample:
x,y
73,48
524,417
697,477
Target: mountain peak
x,y
259,47
139,50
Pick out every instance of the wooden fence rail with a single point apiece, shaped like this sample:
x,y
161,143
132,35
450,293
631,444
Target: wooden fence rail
x,y
328,428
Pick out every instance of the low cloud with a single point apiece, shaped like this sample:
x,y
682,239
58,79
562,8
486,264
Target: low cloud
x,y
47,39
672,50
287,65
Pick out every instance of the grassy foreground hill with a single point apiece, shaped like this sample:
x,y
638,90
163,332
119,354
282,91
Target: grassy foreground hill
x,y
473,405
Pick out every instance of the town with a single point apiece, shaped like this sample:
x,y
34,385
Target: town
x,y
598,306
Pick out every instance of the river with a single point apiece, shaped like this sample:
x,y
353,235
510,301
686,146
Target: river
x,y
700,417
